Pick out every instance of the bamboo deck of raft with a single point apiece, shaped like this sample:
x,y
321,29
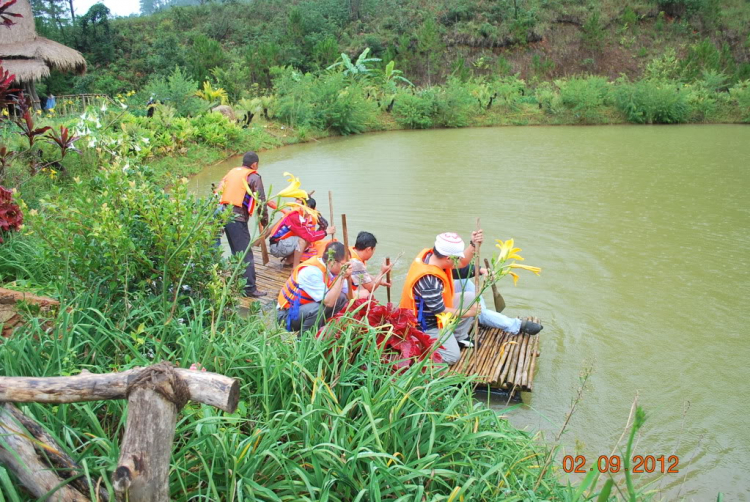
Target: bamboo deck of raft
x,y
500,360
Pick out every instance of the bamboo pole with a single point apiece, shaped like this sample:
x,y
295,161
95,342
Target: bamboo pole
x,y
350,291
388,279
330,207
476,282
521,360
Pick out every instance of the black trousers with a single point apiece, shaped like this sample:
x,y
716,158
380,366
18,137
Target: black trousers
x,y
238,237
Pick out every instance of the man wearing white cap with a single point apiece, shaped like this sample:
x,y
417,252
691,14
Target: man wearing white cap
x,y
429,290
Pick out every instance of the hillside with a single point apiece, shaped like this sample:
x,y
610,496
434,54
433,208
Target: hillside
x,y
236,44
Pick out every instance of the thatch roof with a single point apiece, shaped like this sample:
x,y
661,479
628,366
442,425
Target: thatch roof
x,y
24,53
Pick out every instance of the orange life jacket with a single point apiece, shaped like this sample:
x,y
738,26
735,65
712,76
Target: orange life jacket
x,y
291,293
315,249
281,230
234,187
417,270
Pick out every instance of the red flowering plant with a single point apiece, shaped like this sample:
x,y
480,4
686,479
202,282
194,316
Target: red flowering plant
x,y
397,333
10,214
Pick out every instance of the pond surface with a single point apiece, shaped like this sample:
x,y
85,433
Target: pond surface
x,y
643,235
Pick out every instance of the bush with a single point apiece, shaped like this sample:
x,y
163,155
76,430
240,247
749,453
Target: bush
x,y
652,103
415,111
177,90
455,105
740,95
123,233
584,96
329,101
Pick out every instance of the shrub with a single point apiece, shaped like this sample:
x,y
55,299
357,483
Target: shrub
x,y
328,101
740,95
454,105
584,96
177,90
124,233
647,102
415,111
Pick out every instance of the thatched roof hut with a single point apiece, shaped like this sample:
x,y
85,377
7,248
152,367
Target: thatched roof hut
x,y
30,57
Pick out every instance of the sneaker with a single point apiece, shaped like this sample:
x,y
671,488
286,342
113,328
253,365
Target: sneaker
x,y
531,328
256,294
466,344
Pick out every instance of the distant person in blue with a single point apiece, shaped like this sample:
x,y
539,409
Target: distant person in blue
x,y
50,102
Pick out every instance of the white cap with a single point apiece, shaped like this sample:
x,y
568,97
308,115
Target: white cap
x,y
450,244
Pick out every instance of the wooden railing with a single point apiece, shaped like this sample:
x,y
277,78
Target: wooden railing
x,y
155,396
68,104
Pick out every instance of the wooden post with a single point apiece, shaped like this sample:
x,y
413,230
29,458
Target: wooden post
x,y
20,454
155,398
476,283
388,279
350,291
330,206
496,296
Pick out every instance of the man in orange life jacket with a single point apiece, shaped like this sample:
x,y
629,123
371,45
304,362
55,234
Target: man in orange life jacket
x,y
429,291
235,190
315,291
362,251
292,234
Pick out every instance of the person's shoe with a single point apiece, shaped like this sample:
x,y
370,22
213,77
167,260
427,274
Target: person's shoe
x,y
466,344
256,294
530,328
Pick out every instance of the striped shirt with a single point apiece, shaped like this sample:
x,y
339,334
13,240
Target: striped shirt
x,y
430,290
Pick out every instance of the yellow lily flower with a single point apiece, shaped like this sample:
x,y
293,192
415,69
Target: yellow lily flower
x,y
293,190
507,251
536,270
444,319
515,277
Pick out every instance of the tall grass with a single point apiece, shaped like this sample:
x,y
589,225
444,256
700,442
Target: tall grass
x,y
318,419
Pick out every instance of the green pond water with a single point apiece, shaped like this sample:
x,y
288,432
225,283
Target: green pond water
x,y
643,235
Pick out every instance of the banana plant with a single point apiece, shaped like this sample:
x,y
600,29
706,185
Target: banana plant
x,y
358,68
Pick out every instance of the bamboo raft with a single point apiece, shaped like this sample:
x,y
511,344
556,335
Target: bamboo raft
x,y
501,361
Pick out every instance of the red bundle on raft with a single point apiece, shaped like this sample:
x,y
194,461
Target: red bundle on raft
x,y
402,341
10,214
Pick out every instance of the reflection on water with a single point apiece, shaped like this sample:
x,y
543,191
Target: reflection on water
x,y
643,237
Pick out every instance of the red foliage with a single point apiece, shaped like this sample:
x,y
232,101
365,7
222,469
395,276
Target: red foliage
x,y
404,343
10,214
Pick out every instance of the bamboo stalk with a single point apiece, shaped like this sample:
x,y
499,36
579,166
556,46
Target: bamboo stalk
x,y
330,206
521,360
388,279
348,254
476,281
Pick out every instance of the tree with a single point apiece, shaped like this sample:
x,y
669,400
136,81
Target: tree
x,y
95,35
430,46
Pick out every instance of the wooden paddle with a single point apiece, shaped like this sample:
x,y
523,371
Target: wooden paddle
x,y
350,291
499,300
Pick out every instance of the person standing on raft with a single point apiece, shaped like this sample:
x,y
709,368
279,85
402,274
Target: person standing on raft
x,y
316,290
240,188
